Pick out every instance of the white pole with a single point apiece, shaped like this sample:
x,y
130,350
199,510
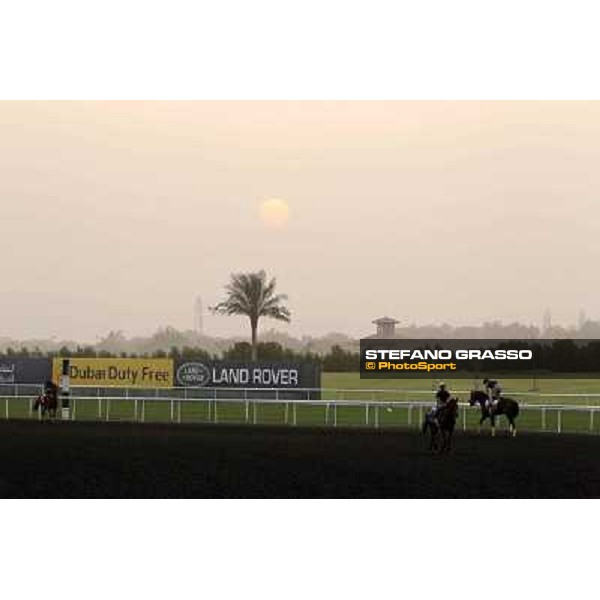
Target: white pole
x,y
6,406
107,409
287,412
592,419
543,419
335,415
247,409
65,388
377,416
464,419
367,413
558,423
295,415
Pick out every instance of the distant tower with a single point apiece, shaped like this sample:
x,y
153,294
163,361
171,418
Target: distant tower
x,y
386,327
198,322
546,322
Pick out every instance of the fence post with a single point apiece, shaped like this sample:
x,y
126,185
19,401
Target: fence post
x,y
335,414
73,408
216,413
6,407
107,408
287,412
543,418
179,410
591,419
377,416
409,413
143,409
327,414
294,413
367,414
558,422
99,403
172,409
464,418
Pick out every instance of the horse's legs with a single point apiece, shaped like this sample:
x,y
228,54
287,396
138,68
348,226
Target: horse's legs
x,y
445,440
435,432
493,419
484,416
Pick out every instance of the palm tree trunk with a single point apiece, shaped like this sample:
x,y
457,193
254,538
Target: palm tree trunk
x,y
254,327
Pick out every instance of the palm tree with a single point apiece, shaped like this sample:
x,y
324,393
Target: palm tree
x,y
250,294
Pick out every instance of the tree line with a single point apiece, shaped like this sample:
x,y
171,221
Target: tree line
x,y
336,360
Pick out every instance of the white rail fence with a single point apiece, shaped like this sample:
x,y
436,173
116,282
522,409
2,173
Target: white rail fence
x,y
366,408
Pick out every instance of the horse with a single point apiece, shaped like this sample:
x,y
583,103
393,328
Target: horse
x,y
442,426
504,406
47,403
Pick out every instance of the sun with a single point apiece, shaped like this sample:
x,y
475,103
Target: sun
x,y
274,213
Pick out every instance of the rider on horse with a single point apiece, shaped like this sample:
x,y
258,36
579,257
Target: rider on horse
x,y
441,399
494,391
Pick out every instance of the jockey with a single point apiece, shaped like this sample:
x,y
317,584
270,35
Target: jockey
x,y
441,398
494,392
50,389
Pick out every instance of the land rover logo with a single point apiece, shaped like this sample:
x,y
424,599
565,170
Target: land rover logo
x,y
193,373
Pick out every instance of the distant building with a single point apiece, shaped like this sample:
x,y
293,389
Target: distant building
x,y
386,327
546,322
198,316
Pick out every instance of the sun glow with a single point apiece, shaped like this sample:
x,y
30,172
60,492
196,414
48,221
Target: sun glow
x,y
274,213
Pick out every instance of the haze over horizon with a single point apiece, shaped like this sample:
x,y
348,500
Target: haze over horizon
x,y
116,215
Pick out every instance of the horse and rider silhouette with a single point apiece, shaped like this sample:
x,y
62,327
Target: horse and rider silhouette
x,y
47,402
502,406
441,420
441,424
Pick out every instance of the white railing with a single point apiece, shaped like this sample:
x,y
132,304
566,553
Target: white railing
x,y
166,406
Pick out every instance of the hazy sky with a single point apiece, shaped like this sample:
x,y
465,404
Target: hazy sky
x,y
115,215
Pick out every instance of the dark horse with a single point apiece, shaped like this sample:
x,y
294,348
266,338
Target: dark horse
x,y
47,401
504,406
442,427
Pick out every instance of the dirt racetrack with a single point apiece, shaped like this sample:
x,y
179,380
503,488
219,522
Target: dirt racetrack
x,y
121,460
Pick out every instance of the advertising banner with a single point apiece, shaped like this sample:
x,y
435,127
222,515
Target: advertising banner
x,y
25,370
256,378
121,372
